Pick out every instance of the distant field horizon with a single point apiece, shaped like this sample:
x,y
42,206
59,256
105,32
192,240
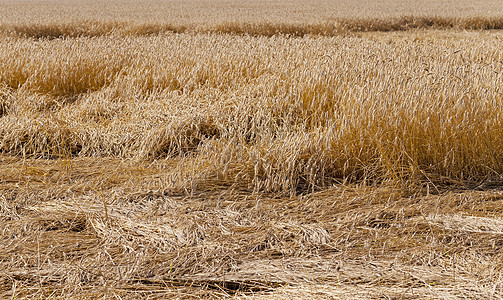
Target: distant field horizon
x,y
257,17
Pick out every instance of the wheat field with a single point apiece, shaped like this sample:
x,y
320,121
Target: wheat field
x,y
255,150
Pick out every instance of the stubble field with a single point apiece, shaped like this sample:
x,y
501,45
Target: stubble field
x,y
270,150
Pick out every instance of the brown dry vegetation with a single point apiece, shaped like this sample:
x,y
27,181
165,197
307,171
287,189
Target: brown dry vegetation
x,y
55,18
258,150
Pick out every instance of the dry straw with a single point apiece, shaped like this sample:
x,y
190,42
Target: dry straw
x,y
280,114
261,149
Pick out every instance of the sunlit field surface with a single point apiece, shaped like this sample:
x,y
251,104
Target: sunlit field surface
x,y
258,149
